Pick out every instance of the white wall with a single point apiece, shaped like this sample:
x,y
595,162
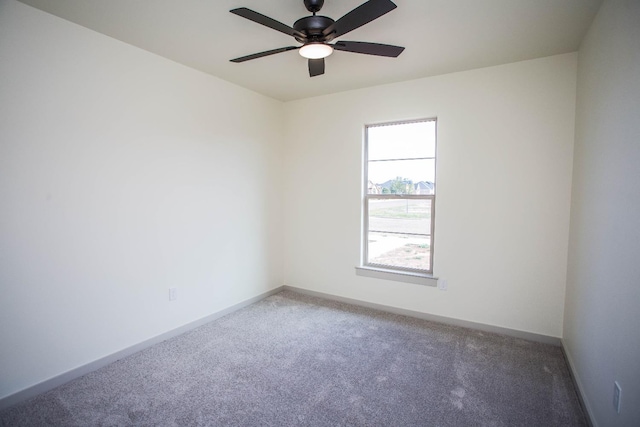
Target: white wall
x,y
505,143
602,313
122,174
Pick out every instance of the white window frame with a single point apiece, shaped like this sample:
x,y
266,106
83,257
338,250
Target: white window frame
x,y
405,274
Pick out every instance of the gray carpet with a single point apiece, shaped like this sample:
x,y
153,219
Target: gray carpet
x,y
294,360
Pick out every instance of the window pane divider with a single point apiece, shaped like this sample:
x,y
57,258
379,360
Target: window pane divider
x,y
400,196
401,160
402,234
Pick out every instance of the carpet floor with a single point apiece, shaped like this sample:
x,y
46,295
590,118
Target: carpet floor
x,y
296,360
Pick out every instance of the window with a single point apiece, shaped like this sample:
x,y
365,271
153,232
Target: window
x,y
399,196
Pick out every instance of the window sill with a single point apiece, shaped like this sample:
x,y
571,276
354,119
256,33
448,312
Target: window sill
x,y
398,276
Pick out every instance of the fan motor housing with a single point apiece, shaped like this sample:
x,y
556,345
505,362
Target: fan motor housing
x,y
312,27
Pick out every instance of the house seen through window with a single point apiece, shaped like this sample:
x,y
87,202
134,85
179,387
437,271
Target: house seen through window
x,y
400,196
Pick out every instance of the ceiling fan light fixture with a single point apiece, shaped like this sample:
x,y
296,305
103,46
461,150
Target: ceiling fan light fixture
x,y
316,50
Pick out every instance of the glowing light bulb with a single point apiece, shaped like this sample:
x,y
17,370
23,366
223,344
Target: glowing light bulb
x,y
316,50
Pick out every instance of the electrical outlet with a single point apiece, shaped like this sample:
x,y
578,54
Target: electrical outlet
x,y
173,294
442,284
617,392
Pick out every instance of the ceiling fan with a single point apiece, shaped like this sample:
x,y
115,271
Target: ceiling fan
x,y
315,32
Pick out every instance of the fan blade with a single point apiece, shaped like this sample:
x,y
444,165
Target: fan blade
x,y
266,53
369,48
266,21
316,67
359,16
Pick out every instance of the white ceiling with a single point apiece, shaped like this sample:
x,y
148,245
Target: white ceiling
x,y
440,36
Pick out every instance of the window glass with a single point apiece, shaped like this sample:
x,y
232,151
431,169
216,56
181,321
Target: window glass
x,y
400,216
399,200
398,250
402,141
402,176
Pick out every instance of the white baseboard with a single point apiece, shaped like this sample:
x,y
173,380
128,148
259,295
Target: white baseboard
x,y
530,336
584,402
72,374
